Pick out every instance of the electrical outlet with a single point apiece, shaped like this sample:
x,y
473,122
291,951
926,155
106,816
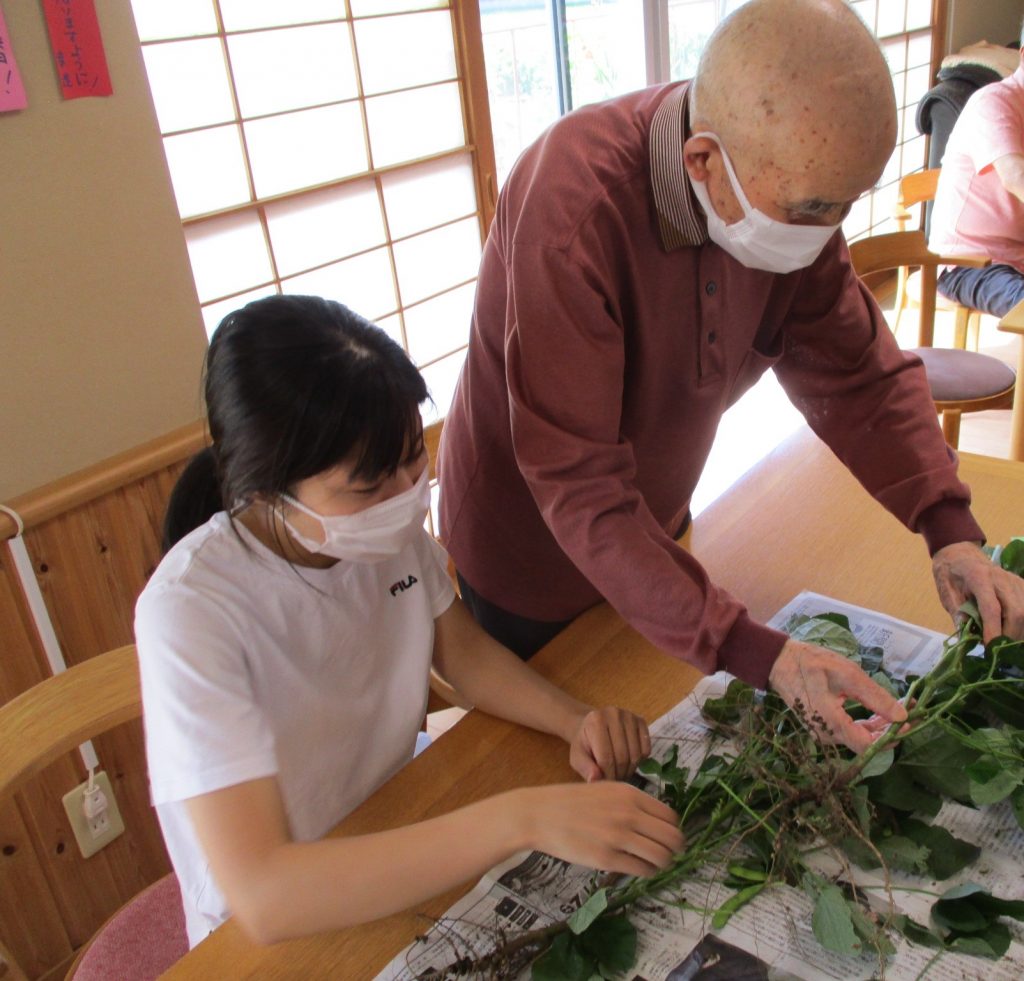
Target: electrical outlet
x,y
101,829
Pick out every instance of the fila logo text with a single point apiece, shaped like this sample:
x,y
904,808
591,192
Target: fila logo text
x,y
402,585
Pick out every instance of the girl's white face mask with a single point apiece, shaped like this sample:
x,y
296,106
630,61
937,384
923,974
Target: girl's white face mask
x,y
757,241
372,535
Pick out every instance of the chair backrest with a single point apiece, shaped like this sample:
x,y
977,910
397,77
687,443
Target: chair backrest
x,y
58,714
432,441
876,253
53,717
914,189
917,187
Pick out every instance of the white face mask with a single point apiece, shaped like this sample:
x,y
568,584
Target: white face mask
x,y
374,534
756,240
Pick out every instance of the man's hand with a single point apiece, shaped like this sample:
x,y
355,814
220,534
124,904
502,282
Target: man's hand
x,y
609,742
963,571
821,681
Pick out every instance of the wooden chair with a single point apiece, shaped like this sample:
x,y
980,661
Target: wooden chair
x,y
919,188
147,935
961,381
442,695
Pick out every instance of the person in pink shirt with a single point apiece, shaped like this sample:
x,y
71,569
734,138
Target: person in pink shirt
x,y
979,205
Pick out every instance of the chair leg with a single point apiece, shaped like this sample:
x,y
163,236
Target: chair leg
x,y
900,303
974,329
951,427
960,324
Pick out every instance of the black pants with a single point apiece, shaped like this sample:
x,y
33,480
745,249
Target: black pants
x,y
993,289
521,635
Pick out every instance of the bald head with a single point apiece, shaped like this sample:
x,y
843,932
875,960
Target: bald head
x,y
800,95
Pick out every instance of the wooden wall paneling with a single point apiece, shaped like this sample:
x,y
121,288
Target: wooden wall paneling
x,y
93,562
22,661
31,925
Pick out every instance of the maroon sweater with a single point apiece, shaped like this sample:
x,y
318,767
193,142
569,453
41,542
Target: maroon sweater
x,y
609,335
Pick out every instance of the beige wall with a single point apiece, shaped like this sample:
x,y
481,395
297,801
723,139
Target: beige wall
x,y
102,340
997,21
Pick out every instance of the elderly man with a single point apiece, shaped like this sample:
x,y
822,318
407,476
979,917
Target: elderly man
x,y
979,206
650,258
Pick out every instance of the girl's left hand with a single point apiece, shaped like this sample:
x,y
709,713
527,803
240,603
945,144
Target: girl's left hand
x,y
608,743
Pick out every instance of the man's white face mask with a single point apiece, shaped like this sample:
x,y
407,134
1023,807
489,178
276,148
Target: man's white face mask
x,y
757,241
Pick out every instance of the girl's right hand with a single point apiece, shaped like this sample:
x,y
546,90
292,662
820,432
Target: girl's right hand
x,y
610,826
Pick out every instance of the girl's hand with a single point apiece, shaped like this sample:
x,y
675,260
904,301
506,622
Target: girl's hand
x,y
609,826
608,743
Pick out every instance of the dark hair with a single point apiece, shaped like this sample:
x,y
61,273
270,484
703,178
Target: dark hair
x,y
294,385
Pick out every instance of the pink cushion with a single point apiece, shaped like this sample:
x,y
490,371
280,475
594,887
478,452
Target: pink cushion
x,y
956,376
141,940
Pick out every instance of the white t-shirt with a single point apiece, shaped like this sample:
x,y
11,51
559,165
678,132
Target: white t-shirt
x,y
254,668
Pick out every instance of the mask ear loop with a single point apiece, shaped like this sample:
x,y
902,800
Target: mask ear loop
x,y
737,188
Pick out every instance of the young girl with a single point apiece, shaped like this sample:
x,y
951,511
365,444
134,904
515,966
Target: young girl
x,y
286,643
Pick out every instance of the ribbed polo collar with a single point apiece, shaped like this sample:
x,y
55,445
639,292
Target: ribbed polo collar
x,y
680,219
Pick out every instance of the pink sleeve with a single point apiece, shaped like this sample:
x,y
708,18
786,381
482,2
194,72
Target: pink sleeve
x,y
994,127
566,437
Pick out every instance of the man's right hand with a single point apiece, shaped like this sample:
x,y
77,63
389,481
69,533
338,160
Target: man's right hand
x,y
821,681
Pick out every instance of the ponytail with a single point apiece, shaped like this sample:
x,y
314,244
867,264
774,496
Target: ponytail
x,y
195,499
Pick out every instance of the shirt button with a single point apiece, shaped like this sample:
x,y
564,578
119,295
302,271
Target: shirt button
x,y
712,337
711,288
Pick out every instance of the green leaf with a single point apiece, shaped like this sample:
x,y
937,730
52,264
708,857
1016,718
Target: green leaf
x,y
947,854
902,853
1017,803
916,933
1011,558
825,633
969,909
869,931
595,905
839,619
738,900
993,780
993,941
861,807
860,853
832,922
878,763
649,767
564,961
896,788
727,710
938,761
611,941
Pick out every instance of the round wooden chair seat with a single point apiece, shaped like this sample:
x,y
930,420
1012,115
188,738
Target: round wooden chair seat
x,y
964,376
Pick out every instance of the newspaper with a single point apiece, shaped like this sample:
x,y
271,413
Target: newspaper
x,y
771,937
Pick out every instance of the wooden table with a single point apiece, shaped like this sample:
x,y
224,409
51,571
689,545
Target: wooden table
x,y
1013,323
796,521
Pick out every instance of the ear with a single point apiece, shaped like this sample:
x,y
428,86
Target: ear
x,y
697,150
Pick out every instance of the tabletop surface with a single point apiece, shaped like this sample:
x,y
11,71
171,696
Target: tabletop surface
x,y
798,520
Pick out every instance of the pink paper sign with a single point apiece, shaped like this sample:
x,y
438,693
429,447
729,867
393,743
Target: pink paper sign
x,y
77,48
12,89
